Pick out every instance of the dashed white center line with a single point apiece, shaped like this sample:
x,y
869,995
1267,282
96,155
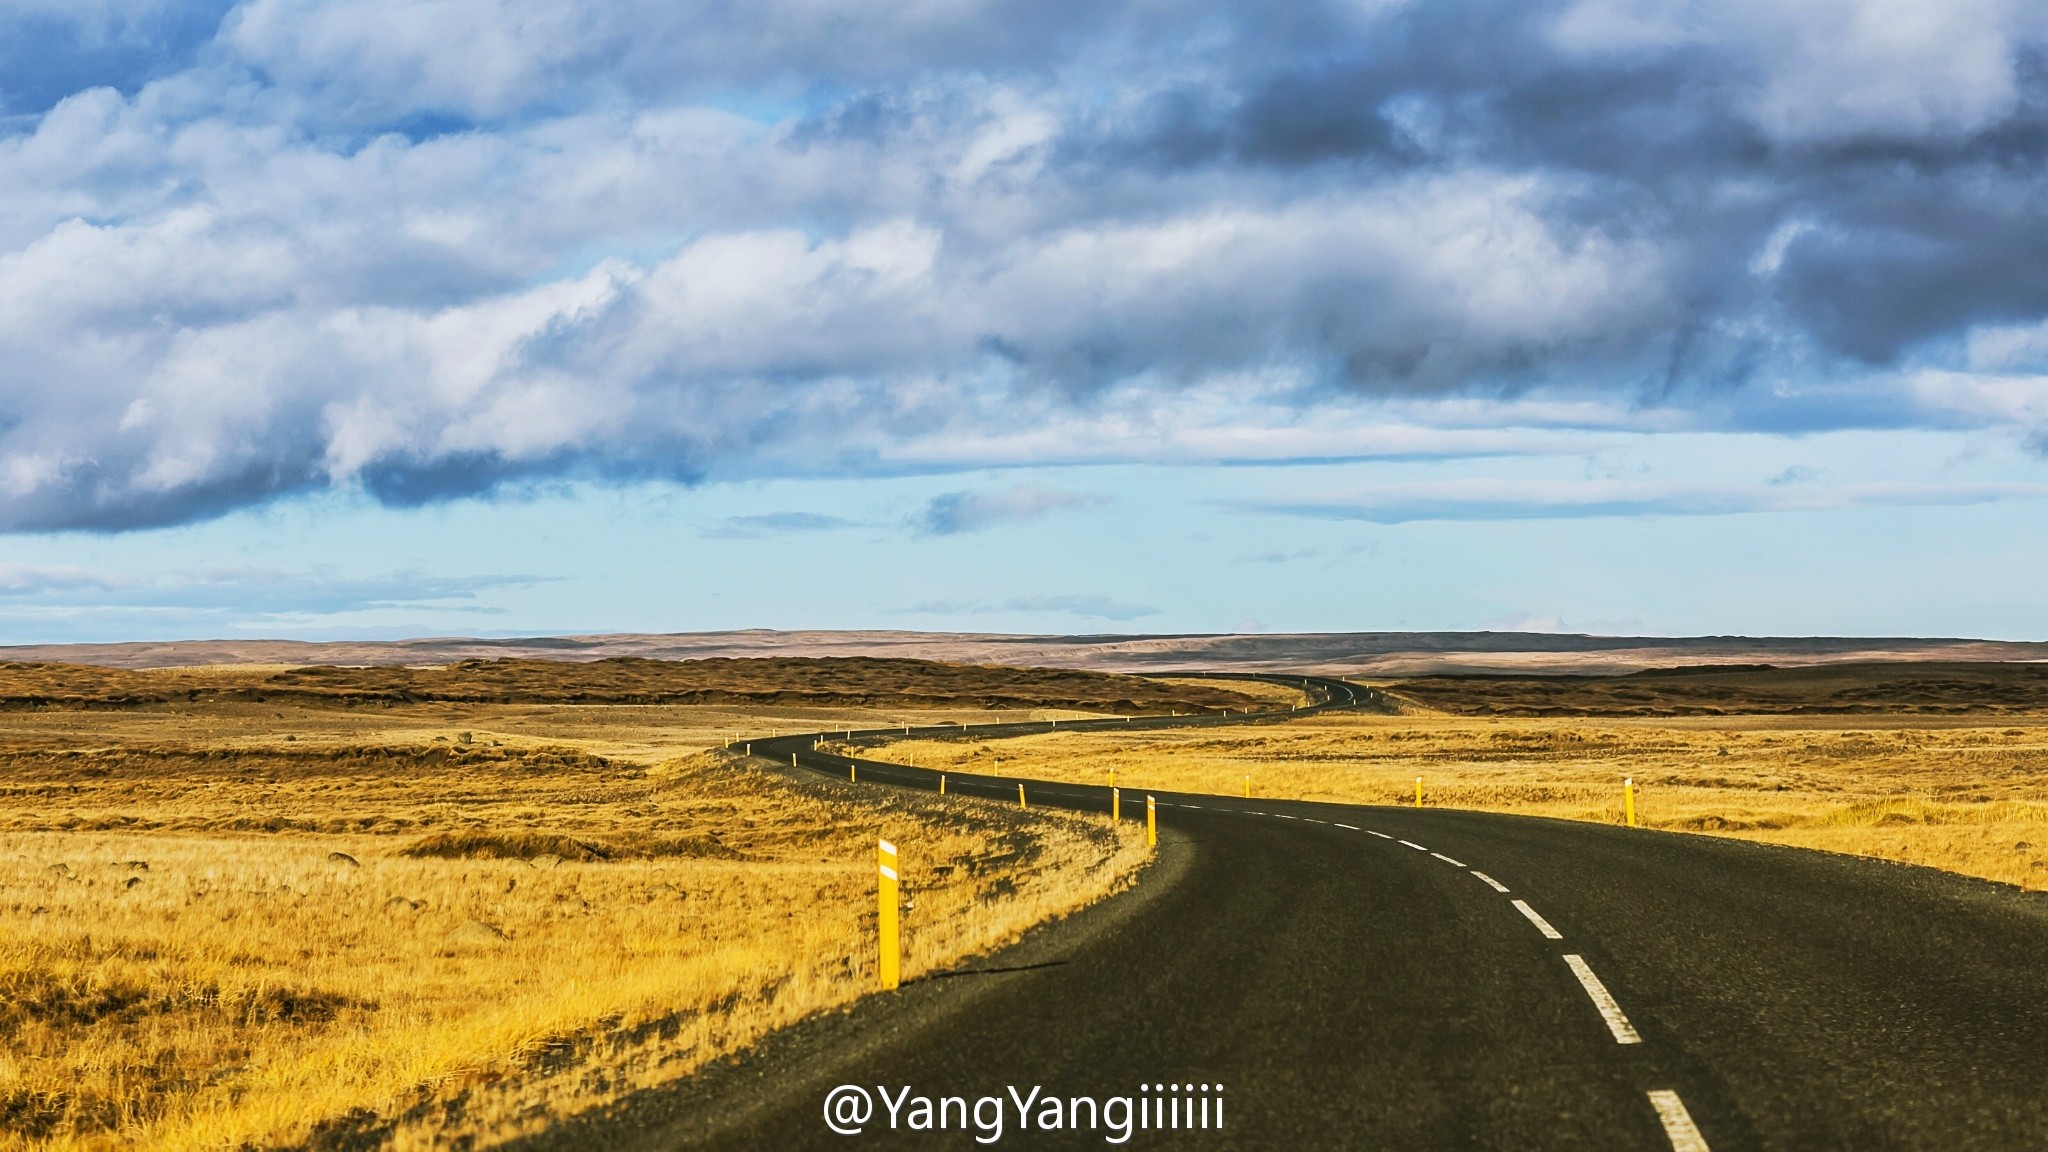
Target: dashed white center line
x,y
1414,845
1624,1032
1447,859
1283,815
1350,827
1381,835
1678,1126
1541,924
1496,885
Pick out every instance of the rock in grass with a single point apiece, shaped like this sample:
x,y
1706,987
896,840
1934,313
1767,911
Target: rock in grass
x,y
344,859
477,932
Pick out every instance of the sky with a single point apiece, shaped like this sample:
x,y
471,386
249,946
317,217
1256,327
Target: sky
x,y
379,318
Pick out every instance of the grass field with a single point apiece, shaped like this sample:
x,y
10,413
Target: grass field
x,y
1964,793
434,908
230,924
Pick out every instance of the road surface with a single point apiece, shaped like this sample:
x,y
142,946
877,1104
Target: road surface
x,y
1350,977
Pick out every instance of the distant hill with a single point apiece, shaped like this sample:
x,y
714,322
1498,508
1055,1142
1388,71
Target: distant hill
x,y
1340,653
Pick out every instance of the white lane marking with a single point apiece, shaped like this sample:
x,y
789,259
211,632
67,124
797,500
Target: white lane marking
x,y
1313,820
1447,859
1624,1032
1283,815
1414,845
1351,827
1381,835
1541,924
1496,885
1678,1126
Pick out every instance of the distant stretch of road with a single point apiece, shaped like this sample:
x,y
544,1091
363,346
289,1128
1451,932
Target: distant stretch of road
x,y
1351,977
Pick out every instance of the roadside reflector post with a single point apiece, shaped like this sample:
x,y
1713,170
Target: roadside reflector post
x,y
1418,791
889,931
1112,777
1020,795
1247,785
1628,799
1151,823
1116,805
942,783
852,771
792,759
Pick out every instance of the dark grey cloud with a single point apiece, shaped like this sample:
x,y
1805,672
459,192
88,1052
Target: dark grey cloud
x,y
427,252
952,513
776,524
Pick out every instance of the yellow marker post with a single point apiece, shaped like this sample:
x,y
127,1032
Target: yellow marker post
x,y
1151,823
1116,805
1418,791
1112,777
885,908
1020,797
852,771
942,783
1628,799
1247,785
792,759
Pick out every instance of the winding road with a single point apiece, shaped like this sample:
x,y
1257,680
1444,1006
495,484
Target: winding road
x,y
1351,977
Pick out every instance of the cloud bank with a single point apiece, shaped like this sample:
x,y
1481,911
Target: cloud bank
x,y
255,249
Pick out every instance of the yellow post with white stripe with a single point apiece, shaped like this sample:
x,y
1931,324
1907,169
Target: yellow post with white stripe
x,y
853,773
886,904
1116,805
1247,785
1628,799
1151,823
942,783
1020,795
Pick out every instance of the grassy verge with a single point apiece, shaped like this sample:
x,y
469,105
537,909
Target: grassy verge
x,y
1968,794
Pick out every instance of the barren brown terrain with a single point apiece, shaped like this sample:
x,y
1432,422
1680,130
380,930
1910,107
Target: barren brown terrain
x,y
1936,688
1368,654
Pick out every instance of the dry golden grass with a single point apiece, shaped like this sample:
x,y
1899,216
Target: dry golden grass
x,y
233,925
1967,795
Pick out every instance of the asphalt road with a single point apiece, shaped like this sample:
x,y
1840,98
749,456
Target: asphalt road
x,y
1386,978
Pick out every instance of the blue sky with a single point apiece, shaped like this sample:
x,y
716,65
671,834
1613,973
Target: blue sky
x,y
381,317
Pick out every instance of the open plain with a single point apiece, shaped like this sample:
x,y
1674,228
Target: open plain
x,y
1941,765
400,907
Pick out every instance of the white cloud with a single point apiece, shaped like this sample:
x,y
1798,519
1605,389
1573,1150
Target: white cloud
x,y
1485,498
426,249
